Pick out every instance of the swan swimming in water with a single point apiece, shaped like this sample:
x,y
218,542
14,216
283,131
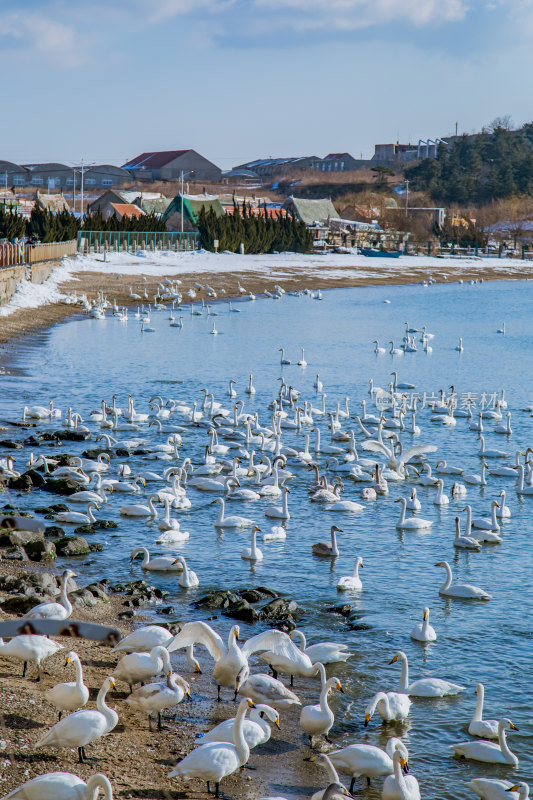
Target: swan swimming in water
x,y
425,687
463,591
489,752
424,632
486,728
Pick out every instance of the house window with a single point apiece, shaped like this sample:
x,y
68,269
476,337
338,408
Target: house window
x,y
69,181
90,181
342,166
329,167
18,180
107,182
36,180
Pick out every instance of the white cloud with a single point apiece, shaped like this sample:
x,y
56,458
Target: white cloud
x,y
163,9
38,35
353,14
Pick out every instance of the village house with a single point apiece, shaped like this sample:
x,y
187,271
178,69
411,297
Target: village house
x,y
169,165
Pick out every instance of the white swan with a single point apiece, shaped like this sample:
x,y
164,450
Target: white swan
x,y
447,469
399,786
495,789
425,687
283,360
325,549
412,502
350,582
317,720
280,512
441,499
391,707
424,632
322,652
216,760
256,728
464,542
29,647
61,610
367,760
158,564
188,579
413,524
504,427
139,667
489,453
62,786
503,512
233,521
489,752
486,728
252,553
156,697
76,518
143,640
476,480
138,510
262,688
487,529
302,362
463,591
276,534
522,489
83,727
69,696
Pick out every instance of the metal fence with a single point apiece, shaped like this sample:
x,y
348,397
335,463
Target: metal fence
x,y
130,241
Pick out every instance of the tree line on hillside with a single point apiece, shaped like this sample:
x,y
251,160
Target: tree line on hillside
x,y
479,169
258,233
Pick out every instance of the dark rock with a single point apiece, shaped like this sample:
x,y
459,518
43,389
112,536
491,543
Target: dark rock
x,y
344,610
221,599
165,610
242,611
72,546
20,538
252,595
82,598
94,452
99,525
84,530
122,452
72,436
359,626
98,591
36,477
20,604
126,614
15,554
13,513
41,583
8,507
11,445
62,486
96,547
21,484
54,530
278,608
267,592
41,551
56,508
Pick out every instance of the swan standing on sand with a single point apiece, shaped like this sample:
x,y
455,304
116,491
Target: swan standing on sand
x,y
424,632
214,761
140,667
159,696
322,652
262,688
256,728
61,610
143,640
63,786
69,696
29,647
351,582
425,687
463,591
489,752
486,728
83,727
318,720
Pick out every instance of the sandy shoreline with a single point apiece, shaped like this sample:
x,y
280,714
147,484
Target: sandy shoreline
x,y
136,760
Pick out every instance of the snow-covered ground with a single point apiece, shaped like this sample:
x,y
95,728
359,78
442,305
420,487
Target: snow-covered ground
x,y
328,266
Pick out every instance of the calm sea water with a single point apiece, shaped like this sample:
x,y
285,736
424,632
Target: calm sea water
x,y
81,362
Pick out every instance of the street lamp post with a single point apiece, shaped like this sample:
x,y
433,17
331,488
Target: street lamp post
x,y
182,176
406,197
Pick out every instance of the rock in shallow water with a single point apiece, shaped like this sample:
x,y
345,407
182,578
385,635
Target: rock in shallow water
x,y
72,546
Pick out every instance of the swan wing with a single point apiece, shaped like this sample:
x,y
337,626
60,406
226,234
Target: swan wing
x,y
199,633
416,450
276,641
376,447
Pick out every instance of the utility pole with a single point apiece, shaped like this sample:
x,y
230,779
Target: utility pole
x,y
81,167
406,197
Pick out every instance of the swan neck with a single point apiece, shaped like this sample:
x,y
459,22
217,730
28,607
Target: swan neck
x,y
404,677
64,596
241,745
478,713
502,739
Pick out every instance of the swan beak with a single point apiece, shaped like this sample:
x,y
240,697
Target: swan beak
x,y
404,764
438,564
197,669
399,500
513,789
425,616
339,688
112,684
67,662
251,704
367,719
513,727
176,561
394,660
276,722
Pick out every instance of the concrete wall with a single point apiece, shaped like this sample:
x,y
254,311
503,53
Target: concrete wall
x,y
9,279
41,272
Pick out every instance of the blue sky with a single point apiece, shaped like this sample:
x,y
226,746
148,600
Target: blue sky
x,y
242,79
